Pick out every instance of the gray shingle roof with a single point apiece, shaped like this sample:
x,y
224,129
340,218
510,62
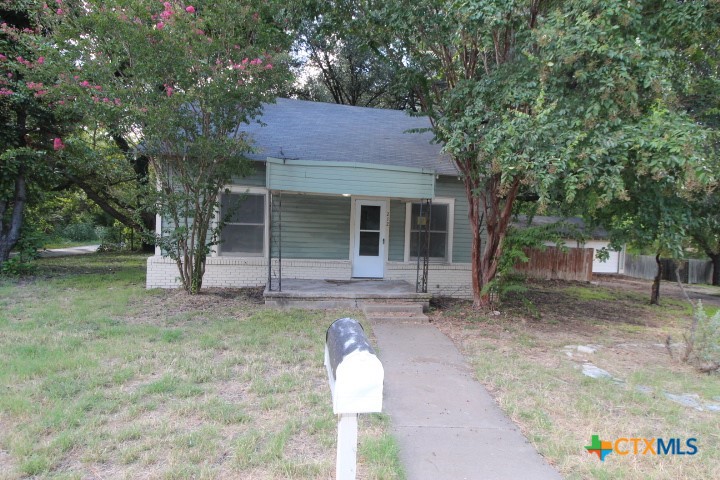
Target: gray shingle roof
x,y
298,129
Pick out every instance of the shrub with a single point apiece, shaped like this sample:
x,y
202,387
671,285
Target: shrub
x,y
79,232
26,251
703,343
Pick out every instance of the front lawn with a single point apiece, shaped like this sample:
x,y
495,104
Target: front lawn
x,y
100,378
527,355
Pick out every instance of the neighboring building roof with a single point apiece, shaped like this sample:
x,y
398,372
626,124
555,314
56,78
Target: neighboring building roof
x,y
579,223
302,130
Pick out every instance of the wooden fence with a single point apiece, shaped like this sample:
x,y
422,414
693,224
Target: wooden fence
x,y
691,271
552,263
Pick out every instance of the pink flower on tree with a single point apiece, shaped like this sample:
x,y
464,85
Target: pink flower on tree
x,y
40,60
190,9
268,66
160,25
5,92
169,90
59,11
166,15
3,57
58,144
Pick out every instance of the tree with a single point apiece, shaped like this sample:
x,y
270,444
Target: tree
x,y
347,72
658,211
178,81
705,230
30,137
336,65
702,100
543,96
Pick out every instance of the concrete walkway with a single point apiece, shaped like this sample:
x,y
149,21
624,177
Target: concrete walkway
x,y
62,252
446,423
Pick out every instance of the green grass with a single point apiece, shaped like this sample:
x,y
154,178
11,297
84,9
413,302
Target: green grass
x,y
589,293
100,378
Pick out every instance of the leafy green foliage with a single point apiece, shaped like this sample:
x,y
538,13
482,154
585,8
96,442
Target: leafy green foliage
x,y
30,123
26,251
178,81
564,101
337,65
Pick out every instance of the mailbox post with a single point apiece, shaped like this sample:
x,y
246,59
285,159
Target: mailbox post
x,y
356,382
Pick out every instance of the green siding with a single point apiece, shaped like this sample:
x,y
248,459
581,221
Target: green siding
x,y
447,187
396,250
315,227
462,236
353,178
255,179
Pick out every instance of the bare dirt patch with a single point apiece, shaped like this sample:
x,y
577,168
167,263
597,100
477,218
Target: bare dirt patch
x,y
174,304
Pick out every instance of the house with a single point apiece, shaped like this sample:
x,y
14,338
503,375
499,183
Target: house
x,y
596,238
340,193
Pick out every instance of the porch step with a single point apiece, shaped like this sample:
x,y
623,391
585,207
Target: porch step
x,y
379,308
394,312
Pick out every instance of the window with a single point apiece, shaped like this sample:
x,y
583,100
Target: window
x,y
244,231
439,233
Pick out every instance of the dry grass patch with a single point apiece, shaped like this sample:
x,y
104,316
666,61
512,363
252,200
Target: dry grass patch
x,y
527,356
100,378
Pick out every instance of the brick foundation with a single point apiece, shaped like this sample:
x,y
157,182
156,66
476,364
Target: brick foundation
x,y
233,272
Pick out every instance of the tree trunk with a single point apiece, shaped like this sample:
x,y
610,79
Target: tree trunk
x,y
494,208
655,293
715,259
10,231
475,252
497,210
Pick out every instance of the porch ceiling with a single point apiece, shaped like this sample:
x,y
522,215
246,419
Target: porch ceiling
x,y
349,178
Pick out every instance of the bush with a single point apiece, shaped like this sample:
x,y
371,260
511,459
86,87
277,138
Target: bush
x,y
704,341
79,232
110,235
26,251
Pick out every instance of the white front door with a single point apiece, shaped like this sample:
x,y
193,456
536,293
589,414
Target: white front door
x,y
369,234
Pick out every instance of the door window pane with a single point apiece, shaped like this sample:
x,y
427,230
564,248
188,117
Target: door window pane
x,y
369,217
369,244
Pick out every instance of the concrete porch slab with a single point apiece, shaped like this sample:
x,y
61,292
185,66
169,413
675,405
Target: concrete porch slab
x,y
322,294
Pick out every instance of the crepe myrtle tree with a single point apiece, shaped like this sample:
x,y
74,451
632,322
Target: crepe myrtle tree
x,y
179,80
30,136
542,98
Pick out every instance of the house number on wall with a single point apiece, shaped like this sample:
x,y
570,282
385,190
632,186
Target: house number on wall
x,y
387,219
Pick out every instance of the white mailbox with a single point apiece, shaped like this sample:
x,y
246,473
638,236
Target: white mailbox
x,y
355,373
356,382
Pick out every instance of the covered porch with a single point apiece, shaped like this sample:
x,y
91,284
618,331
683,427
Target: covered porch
x,y
350,219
